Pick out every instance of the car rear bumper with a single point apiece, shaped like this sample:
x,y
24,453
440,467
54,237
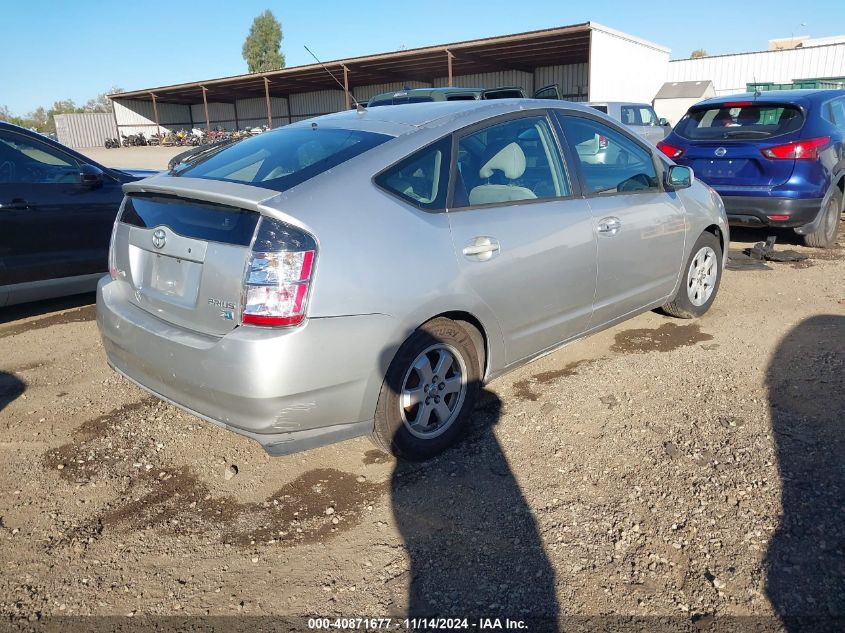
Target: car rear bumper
x,y
288,389
756,211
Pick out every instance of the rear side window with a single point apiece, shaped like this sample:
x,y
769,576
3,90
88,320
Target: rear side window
x,y
610,161
836,113
284,158
421,179
600,108
744,121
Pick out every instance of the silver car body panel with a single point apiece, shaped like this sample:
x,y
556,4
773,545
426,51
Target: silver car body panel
x,y
383,268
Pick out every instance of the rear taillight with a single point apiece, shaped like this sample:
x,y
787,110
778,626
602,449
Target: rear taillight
x,y
670,150
602,142
114,271
797,150
278,275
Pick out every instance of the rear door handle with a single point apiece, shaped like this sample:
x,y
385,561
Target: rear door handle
x,y
481,248
609,226
16,203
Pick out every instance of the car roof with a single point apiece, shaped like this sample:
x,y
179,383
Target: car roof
x,y
775,96
400,119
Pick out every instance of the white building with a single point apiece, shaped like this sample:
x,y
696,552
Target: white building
x,y
733,73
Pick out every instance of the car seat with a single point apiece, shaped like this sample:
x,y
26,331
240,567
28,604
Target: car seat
x,y
510,161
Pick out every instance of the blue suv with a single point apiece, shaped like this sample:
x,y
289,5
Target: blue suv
x,y
777,158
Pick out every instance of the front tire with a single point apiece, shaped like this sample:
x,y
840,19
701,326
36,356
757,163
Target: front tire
x,y
429,390
701,278
825,234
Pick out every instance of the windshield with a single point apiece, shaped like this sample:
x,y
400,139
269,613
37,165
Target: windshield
x,y
740,121
283,158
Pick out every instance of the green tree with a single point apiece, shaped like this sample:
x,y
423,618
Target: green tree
x,y
101,103
698,52
262,47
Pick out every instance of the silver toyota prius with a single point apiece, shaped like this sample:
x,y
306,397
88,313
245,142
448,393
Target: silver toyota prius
x,y
364,273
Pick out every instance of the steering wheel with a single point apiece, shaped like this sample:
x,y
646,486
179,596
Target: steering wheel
x,y
7,171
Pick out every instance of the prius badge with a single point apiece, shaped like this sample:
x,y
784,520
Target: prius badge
x,y
159,238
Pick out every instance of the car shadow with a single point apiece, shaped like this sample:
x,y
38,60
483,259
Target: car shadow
x,y
806,557
10,388
474,545
785,237
38,308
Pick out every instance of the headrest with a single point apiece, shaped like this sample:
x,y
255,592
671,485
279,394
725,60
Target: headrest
x,y
510,160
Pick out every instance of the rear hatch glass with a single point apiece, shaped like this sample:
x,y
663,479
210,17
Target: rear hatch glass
x,y
283,158
740,121
727,142
185,259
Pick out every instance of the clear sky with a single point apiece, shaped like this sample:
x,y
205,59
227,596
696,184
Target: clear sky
x,y
58,49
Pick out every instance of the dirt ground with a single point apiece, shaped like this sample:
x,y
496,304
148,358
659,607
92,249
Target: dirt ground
x,y
133,157
681,474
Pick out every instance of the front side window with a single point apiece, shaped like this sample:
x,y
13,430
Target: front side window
x,y
511,161
25,160
647,116
421,179
740,121
610,161
283,158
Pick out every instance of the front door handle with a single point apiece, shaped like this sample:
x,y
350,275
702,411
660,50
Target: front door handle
x,y
609,226
481,248
16,203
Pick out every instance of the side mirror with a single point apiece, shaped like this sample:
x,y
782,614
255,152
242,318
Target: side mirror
x,y
663,122
679,177
90,176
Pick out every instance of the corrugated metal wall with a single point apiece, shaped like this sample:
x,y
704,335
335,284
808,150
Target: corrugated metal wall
x,y
134,116
731,73
498,79
365,93
88,129
572,79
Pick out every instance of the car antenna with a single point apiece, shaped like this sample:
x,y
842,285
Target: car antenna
x,y
757,92
358,106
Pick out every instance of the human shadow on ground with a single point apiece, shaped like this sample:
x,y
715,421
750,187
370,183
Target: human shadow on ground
x,y
474,545
806,557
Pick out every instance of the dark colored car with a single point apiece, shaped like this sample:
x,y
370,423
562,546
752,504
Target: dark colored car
x,y
777,158
426,95
57,210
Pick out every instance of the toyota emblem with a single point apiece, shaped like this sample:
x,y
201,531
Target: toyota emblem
x,y
159,238
720,151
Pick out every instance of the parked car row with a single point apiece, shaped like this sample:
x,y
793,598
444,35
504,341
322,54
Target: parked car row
x,y
364,273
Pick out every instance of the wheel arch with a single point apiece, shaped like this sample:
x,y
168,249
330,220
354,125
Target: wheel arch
x,y
716,230
461,316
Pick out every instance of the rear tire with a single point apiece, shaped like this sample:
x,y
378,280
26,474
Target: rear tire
x,y
825,234
420,413
699,285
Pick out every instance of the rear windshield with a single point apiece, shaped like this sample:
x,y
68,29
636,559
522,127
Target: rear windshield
x,y
740,121
283,158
